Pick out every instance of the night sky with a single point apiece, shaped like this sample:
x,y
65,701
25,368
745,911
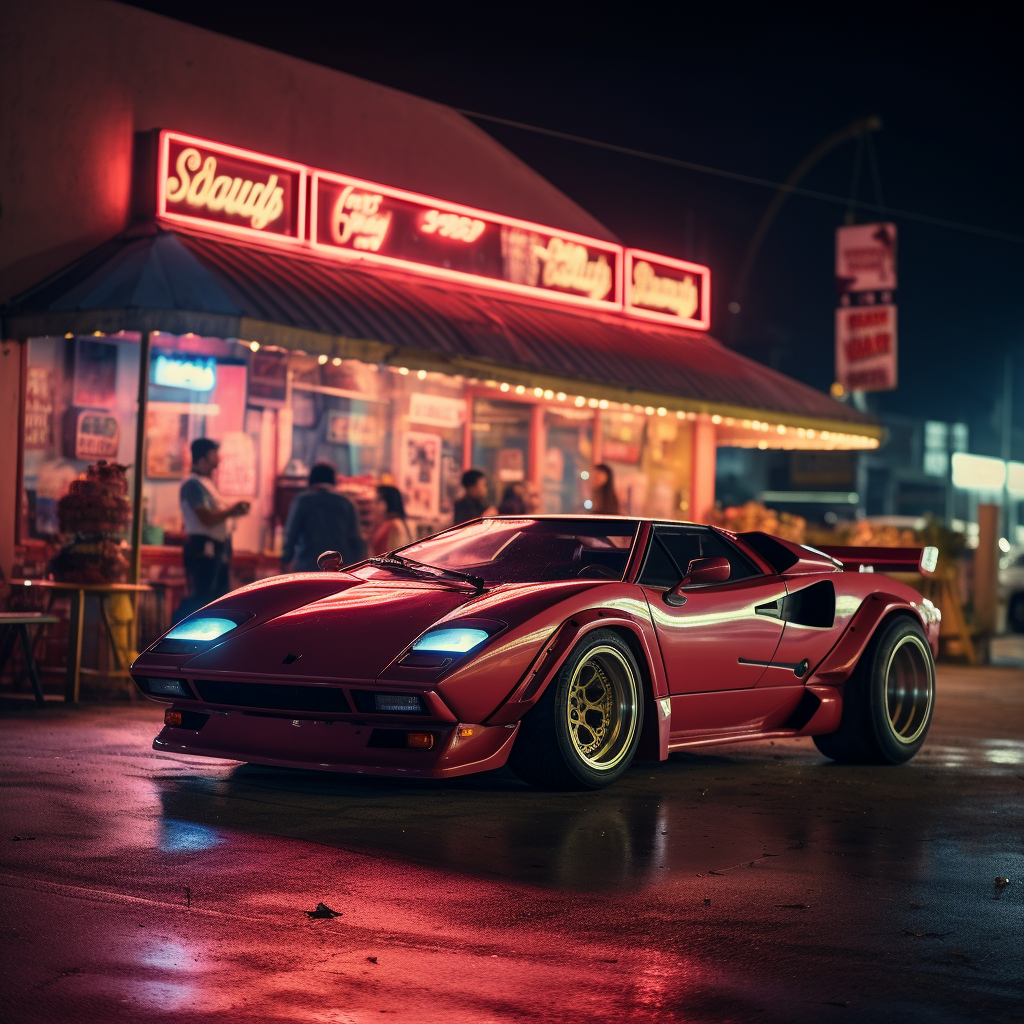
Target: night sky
x,y
751,91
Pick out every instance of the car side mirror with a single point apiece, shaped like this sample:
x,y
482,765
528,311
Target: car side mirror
x,y
329,561
699,572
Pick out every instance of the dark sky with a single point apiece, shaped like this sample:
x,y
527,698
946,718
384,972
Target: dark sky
x,y
753,91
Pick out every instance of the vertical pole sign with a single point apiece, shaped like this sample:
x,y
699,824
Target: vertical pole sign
x,y
866,310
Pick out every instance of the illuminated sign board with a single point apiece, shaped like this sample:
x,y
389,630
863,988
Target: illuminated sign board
x,y
668,290
193,373
227,189
866,337
354,219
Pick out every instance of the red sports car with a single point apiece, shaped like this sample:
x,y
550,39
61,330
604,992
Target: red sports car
x,y
564,646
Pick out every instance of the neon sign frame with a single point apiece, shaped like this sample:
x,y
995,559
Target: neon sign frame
x,y
307,217
240,230
613,304
703,323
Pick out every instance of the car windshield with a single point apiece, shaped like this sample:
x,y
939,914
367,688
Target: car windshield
x,y
523,550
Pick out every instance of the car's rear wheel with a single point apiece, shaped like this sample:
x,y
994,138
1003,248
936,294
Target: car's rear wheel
x,y
888,701
584,731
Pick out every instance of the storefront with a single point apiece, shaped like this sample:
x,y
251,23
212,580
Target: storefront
x,y
297,313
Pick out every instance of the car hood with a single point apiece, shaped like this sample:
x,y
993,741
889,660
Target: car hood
x,y
353,634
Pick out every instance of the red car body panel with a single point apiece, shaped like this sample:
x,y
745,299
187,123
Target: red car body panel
x,y
289,686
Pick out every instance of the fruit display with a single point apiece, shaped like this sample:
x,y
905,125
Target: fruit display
x,y
95,513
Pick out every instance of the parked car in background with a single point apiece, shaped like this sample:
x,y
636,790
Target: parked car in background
x,y
1011,590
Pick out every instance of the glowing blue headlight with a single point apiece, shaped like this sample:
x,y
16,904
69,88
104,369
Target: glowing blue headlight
x,y
450,641
201,629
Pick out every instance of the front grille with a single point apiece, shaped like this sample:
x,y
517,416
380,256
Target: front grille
x,y
274,696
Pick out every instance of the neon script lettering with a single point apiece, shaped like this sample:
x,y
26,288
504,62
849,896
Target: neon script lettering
x,y
357,218
568,265
677,296
451,225
261,202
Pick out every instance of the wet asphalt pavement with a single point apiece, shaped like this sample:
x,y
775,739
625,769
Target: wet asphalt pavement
x,y
746,883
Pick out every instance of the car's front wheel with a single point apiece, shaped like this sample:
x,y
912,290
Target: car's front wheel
x,y
888,701
584,731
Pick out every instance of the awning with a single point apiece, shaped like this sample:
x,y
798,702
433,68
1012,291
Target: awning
x,y
172,281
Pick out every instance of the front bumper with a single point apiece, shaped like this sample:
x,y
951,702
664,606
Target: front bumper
x,y
339,745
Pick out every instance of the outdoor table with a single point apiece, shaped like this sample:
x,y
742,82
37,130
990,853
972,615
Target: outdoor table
x,y
76,620
18,623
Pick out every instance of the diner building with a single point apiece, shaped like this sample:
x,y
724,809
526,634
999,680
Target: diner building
x,y
204,238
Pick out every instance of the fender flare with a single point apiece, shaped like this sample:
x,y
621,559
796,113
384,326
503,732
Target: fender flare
x,y
549,661
839,663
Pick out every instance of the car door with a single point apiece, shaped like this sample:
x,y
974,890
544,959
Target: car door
x,y
716,640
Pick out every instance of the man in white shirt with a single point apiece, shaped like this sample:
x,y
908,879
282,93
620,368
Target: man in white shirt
x,y
207,518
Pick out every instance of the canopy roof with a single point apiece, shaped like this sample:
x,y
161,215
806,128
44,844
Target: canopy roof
x,y
179,282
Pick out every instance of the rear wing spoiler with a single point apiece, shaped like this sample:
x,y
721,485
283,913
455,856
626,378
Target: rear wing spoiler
x,y
922,560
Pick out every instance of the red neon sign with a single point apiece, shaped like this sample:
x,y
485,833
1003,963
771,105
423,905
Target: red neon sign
x,y
235,191
668,290
355,219
227,189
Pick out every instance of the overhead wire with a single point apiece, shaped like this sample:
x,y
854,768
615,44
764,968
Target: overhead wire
x,y
749,179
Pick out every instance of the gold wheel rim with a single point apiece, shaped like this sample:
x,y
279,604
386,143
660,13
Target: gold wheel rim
x,y
909,689
601,705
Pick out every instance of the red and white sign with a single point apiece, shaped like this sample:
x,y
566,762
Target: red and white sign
x,y
866,352
866,347
223,188
866,258
672,291
355,219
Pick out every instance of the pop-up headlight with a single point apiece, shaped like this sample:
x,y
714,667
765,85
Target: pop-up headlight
x,y
195,634
452,640
202,629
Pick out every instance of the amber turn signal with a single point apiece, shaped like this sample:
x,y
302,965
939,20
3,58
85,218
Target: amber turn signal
x,y
419,740
465,732
172,718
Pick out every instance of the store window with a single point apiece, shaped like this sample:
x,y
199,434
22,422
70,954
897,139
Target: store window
x,y
501,443
568,458
80,408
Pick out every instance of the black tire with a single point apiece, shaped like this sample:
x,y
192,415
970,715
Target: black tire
x,y
584,731
1015,613
888,701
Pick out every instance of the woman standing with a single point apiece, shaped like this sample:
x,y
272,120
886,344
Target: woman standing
x,y
393,531
604,500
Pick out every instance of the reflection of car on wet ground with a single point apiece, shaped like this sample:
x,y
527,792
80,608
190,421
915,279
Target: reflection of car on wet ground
x,y
1011,591
563,646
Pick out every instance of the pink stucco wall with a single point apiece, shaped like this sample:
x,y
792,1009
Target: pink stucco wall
x,y
79,77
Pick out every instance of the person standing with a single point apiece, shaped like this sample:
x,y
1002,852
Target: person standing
x,y
320,519
393,531
473,503
605,502
207,552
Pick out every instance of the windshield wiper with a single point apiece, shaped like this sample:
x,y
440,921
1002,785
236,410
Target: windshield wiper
x,y
398,563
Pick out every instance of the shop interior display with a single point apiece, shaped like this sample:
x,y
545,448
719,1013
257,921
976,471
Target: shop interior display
x,y
94,515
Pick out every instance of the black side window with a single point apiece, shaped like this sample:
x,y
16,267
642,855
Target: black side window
x,y
684,545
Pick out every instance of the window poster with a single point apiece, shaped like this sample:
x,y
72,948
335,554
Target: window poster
x,y
236,472
421,474
95,384
38,408
167,455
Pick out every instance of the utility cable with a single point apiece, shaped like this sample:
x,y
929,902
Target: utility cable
x,y
748,179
